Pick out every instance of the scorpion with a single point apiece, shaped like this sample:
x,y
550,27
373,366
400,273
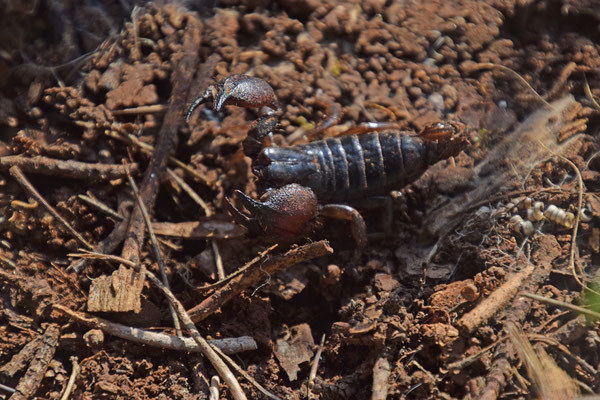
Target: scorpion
x,y
300,183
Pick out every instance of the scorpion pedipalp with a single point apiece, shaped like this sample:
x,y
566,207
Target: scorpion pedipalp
x,y
238,90
285,212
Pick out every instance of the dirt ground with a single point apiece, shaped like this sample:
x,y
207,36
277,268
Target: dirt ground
x,y
442,308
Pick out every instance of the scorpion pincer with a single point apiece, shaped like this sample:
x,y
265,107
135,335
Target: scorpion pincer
x,y
293,180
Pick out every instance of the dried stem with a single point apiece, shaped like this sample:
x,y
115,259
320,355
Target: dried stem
x,y
28,187
256,273
68,168
155,339
156,248
71,383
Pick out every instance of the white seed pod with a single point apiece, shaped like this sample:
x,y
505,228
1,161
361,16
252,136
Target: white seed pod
x,y
515,222
538,211
551,212
559,216
483,212
568,220
527,202
509,209
518,224
585,215
527,228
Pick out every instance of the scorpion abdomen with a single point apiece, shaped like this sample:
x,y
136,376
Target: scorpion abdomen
x,y
349,166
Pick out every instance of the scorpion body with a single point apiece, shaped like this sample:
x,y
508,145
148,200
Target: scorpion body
x,y
293,179
351,167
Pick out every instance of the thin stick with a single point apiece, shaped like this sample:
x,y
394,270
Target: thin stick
x,y
250,263
479,66
576,225
257,273
104,257
589,93
465,362
7,388
214,388
495,301
100,206
157,253
208,212
218,259
207,350
68,168
28,187
156,339
314,367
247,376
562,304
155,108
193,195
71,383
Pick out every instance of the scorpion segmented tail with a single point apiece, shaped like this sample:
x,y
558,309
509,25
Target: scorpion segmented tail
x,y
356,165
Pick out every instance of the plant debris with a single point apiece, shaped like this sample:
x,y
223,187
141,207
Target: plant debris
x,y
485,287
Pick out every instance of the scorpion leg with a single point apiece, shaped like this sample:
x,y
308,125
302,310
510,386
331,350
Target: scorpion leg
x,y
379,202
342,211
365,127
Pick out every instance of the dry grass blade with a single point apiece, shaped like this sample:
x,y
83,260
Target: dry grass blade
x,y
550,381
28,187
480,66
156,339
589,94
257,273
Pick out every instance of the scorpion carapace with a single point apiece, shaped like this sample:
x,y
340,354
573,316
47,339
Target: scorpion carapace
x,y
336,169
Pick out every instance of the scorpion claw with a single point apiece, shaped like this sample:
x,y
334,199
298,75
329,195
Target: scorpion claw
x,y
255,208
286,212
237,90
237,215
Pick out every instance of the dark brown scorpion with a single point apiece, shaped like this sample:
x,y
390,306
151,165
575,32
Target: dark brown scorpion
x,y
293,180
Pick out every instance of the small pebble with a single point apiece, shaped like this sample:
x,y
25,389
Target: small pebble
x,y
437,101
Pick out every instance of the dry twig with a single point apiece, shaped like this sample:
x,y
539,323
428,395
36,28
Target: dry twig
x,y
16,172
558,303
257,273
71,384
381,374
156,248
495,302
155,339
32,379
67,168
247,376
314,367
480,66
